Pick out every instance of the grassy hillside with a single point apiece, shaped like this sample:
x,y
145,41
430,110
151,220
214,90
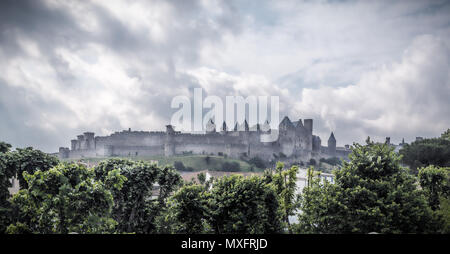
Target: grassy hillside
x,y
197,162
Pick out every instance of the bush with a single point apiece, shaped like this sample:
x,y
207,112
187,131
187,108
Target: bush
x,y
332,161
231,166
241,205
371,193
258,162
435,151
178,165
66,198
233,205
243,156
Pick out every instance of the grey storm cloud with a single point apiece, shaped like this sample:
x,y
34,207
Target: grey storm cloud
x,y
50,27
103,66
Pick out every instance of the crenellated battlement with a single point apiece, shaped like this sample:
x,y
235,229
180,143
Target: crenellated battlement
x,y
294,139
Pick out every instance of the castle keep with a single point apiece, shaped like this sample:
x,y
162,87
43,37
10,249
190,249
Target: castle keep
x,y
295,140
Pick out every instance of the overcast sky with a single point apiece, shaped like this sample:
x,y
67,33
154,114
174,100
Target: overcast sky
x,y
358,68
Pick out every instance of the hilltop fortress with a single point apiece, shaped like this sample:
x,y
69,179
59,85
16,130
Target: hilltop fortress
x,y
295,140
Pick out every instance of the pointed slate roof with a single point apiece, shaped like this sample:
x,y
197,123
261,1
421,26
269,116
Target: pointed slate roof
x,y
224,126
246,128
332,137
286,122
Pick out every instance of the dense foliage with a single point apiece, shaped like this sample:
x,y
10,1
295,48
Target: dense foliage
x,y
422,153
231,166
64,199
233,204
257,162
4,147
15,164
188,210
446,135
30,160
178,165
332,161
435,182
6,174
285,183
135,207
244,205
372,192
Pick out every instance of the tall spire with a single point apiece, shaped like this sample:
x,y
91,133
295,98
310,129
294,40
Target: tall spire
x,y
332,145
246,128
224,126
332,137
210,126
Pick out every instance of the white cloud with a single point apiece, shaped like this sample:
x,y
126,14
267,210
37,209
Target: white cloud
x,y
407,98
71,66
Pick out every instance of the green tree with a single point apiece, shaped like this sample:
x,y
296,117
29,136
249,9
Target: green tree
x,y
178,165
188,210
323,210
135,207
231,166
285,184
443,213
446,135
245,206
201,178
14,164
64,199
4,147
6,174
372,192
29,160
334,161
435,151
435,181
258,162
